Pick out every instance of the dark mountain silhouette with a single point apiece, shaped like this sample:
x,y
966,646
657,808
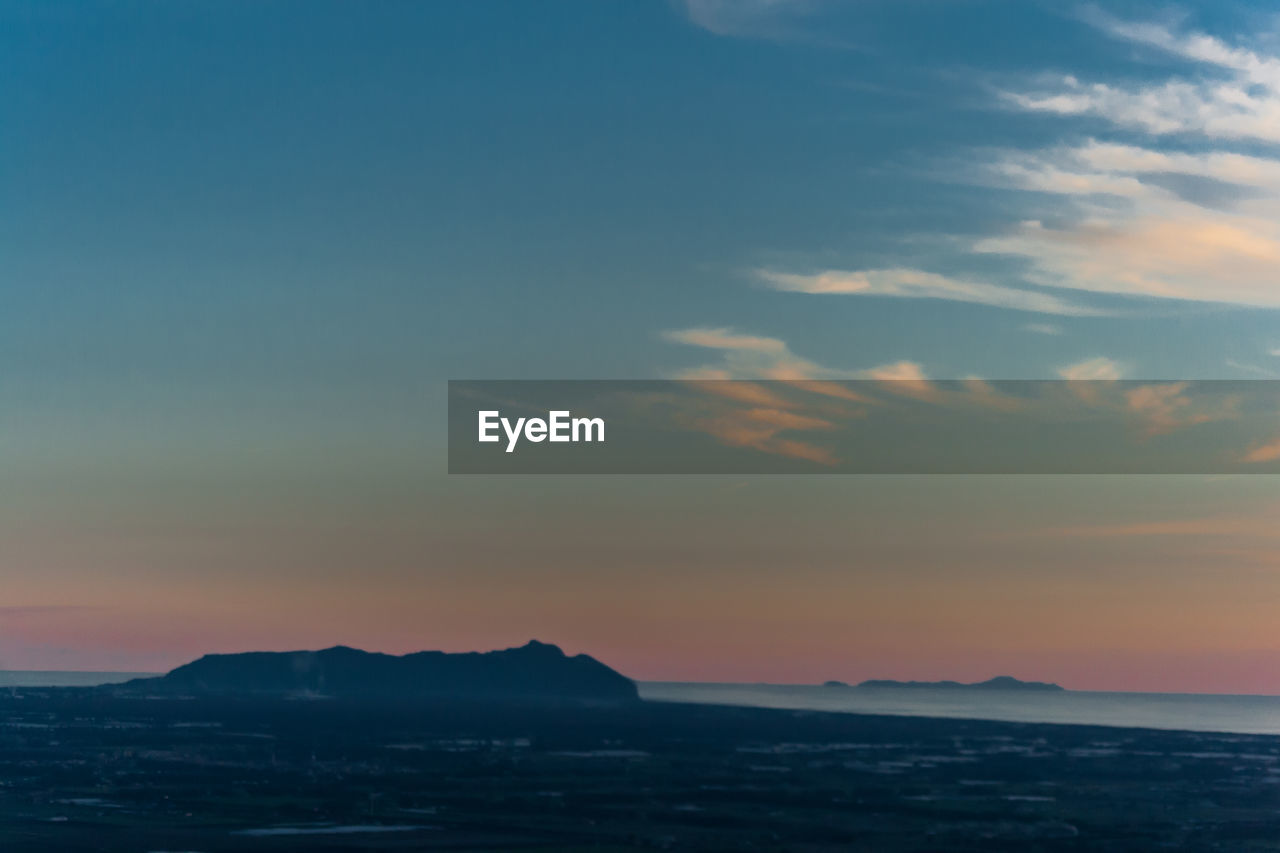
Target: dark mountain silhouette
x,y
536,671
1000,682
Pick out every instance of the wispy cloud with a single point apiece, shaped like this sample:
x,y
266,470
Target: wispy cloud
x,y
1241,102
1269,452
1167,408
1043,328
1147,219
1092,369
747,18
746,356
919,284
763,429
726,339
1251,368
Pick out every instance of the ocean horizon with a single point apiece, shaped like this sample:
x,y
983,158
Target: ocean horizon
x,y
1198,712
66,677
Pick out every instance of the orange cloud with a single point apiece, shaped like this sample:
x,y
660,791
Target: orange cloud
x,y
723,338
787,420
744,392
1166,408
831,389
1269,452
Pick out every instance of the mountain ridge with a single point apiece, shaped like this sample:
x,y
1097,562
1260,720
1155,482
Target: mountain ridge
x,y
535,671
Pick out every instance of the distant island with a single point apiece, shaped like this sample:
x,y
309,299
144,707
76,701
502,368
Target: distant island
x,y
1000,682
533,672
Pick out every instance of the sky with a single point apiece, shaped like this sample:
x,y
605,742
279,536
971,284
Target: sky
x,y
246,245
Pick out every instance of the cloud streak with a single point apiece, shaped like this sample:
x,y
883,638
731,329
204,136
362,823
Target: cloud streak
x,y
746,356
1186,208
746,18
1200,224
907,283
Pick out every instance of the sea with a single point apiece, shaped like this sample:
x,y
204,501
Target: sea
x,y
64,678
1199,712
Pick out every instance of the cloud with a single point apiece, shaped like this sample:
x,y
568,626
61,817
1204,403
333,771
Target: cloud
x,y
760,429
1092,369
829,389
747,356
724,339
919,284
746,18
756,415
1145,218
743,392
1186,208
1240,101
1140,222
1156,408
903,377
1166,408
1043,328
1190,257
899,371
1250,368
1269,452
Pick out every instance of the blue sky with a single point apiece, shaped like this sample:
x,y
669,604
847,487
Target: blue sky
x,y
245,196
246,244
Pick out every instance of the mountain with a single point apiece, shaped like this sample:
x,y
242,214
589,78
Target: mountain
x,y
533,672
1000,682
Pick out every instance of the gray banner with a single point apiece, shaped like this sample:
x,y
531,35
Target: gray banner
x,y
863,427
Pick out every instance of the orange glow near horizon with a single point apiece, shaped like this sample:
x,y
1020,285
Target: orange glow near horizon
x,y
786,581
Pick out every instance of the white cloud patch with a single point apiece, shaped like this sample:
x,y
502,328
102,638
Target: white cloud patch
x,y
726,339
1140,220
1186,208
746,356
1190,226
1240,100
919,284
744,18
1092,369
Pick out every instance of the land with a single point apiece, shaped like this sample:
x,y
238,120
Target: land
x,y
115,770
1000,682
534,672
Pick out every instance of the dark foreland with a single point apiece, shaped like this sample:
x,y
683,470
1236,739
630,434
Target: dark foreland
x,y
298,752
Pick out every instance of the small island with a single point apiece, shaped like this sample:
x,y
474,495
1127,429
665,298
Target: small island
x,y
1000,682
